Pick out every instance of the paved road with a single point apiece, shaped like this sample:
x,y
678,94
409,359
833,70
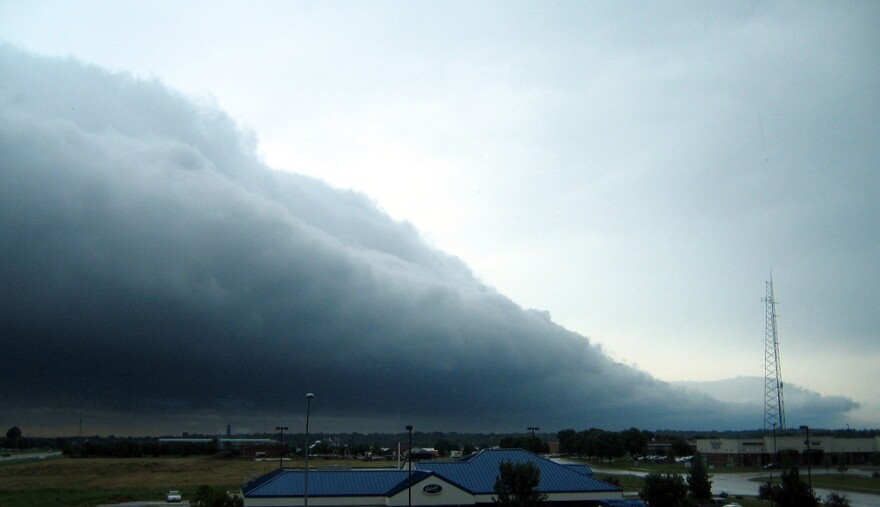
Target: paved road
x,y
30,455
741,485
184,503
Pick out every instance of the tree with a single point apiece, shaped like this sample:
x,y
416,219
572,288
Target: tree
x,y
793,492
608,445
14,433
634,441
207,497
836,500
530,443
664,490
517,485
768,490
679,447
444,447
567,441
698,480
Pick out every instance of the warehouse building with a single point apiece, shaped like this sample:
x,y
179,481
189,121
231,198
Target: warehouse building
x,y
469,481
789,449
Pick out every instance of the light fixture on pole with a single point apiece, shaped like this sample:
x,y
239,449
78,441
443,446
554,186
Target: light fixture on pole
x,y
281,445
809,458
773,463
309,397
409,461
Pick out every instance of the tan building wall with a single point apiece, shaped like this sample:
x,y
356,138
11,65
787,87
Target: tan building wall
x,y
730,452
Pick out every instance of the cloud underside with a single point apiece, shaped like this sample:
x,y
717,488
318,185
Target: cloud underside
x,y
152,267
798,404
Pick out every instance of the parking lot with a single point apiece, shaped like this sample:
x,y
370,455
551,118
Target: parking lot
x,y
184,503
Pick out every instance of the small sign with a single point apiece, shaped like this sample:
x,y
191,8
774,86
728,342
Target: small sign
x,y
432,489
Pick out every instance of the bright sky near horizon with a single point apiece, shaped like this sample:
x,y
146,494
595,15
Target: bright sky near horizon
x,y
634,169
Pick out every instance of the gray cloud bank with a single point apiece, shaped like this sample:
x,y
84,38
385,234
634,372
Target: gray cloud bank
x,y
154,273
801,405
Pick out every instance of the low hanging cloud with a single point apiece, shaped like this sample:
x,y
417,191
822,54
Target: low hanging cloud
x,y
801,406
156,274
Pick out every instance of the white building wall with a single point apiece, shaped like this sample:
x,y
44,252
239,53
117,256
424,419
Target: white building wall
x,y
448,495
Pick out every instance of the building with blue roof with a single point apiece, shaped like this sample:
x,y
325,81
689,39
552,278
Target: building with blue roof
x,y
468,481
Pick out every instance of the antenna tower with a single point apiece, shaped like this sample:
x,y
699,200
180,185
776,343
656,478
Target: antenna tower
x,y
774,408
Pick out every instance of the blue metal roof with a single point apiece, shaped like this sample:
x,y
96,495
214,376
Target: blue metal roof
x,y
291,482
477,472
580,468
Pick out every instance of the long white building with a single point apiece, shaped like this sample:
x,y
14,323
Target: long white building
x,y
761,451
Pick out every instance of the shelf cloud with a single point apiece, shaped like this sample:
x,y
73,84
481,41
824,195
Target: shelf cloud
x,y
156,275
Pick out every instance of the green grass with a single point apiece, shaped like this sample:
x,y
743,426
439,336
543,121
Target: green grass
x,y
837,482
86,482
77,497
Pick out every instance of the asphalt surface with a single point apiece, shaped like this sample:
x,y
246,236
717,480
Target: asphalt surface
x,y
742,485
184,503
31,455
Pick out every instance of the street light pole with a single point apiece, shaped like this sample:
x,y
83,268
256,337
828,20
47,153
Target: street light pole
x,y
809,458
773,463
309,397
281,444
775,457
409,462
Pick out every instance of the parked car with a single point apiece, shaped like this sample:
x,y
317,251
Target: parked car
x,y
173,496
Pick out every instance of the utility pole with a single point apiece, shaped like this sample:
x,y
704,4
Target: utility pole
x,y
309,397
281,445
809,458
409,461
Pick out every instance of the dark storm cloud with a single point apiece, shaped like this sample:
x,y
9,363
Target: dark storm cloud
x,y
153,268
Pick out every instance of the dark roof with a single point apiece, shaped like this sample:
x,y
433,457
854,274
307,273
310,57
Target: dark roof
x,y
477,472
291,482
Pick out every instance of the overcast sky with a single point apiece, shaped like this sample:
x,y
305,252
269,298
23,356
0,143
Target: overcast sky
x,y
631,171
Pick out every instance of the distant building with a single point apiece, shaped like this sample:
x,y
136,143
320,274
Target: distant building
x,y
762,451
469,481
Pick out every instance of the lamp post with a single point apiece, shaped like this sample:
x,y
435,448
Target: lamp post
x,y
775,457
309,397
281,445
409,465
773,463
809,458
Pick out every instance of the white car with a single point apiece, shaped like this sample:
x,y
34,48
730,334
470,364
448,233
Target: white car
x,y
732,505
173,496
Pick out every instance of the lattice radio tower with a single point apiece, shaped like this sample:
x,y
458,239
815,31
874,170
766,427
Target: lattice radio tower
x,y
774,408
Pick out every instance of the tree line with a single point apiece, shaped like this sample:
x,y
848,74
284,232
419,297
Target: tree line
x,y
607,445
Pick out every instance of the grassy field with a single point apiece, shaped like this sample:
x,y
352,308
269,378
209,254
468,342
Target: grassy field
x,y
86,482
